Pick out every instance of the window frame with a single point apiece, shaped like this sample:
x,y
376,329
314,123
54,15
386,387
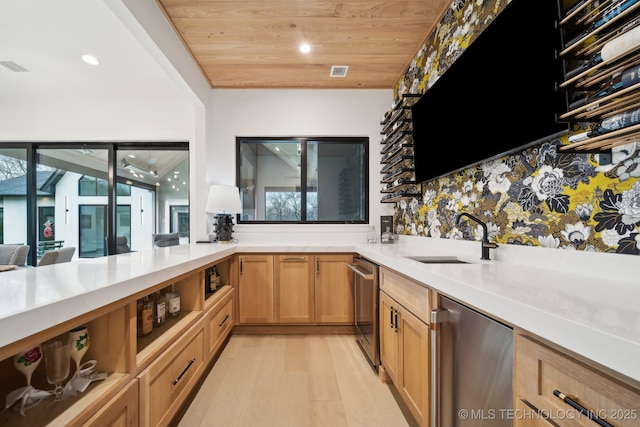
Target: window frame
x,y
363,140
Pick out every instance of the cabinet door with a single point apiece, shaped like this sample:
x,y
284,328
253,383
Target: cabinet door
x,y
540,370
389,341
121,411
413,364
293,289
255,289
334,289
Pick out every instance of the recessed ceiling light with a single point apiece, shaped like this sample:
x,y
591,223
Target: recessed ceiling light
x,y
89,59
305,48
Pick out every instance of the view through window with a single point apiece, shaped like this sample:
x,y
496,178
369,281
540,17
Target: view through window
x,y
56,195
303,180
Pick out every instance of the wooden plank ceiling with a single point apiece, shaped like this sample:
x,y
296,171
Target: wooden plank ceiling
x,y
255,43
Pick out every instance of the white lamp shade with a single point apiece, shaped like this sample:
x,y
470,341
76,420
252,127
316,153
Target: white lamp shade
x,y
224,199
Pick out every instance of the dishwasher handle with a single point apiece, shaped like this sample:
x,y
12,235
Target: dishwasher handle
x,y
365,274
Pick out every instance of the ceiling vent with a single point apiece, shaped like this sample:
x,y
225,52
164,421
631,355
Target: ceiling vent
x,y
13,66
339,71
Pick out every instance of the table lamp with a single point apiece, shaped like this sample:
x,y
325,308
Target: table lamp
x,y
223,201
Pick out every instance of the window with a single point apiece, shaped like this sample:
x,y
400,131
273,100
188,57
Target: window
x,y
303,180
90,186
88,195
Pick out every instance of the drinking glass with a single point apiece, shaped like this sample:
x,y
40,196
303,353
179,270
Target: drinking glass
x,y
57,358
372,235
79,341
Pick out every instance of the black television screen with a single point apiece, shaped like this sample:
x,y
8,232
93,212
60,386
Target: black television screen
x,y
498,96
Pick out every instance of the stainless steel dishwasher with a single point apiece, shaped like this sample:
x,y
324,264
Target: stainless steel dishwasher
x,y
366,308
472,366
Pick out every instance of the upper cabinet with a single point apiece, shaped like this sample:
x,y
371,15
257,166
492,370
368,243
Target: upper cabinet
x,y
601,56
398,180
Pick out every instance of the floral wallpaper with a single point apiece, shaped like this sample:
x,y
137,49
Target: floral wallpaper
x,y
537,197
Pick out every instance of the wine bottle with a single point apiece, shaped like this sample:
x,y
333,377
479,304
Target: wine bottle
x,y
622,80
618,121
595,59
145,316
606,16
575,7
630,40
159,312
173,302
623,43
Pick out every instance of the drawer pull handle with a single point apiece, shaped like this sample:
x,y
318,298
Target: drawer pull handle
x,y
575,405
391,317
223,321
395,319
183,372
299,258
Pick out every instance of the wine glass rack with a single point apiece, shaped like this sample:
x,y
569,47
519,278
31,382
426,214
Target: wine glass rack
x,y
601,57
398,176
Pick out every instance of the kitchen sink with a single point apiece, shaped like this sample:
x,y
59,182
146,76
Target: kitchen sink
x,y
437,260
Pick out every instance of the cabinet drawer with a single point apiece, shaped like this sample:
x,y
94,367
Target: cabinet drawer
x,y
539,370
220,321
121,411
412,295
165,384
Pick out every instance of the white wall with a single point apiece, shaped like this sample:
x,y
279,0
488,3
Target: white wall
x,y
186,109
296,112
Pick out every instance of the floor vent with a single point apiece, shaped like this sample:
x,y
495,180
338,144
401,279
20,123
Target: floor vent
x,y
339,71
13,66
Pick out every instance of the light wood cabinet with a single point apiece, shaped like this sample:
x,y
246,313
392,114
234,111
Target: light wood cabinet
x,y
148,377
389,337
540,369
334,289
219,320
165,384
293,290
255,289
404,341
121,411
110,347
190,286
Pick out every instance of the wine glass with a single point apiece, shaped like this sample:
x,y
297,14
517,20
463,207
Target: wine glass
x,y
57,359
79,340
26,362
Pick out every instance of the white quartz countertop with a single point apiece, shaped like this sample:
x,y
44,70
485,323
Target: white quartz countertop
x,y
595,316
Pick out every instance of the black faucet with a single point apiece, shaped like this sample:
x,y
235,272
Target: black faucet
x,y
485,234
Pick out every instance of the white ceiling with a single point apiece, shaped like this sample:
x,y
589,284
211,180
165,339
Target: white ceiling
x,y
48,38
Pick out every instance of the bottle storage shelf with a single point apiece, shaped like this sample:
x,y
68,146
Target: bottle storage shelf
x,y
601,56
216,276
66,410
189,287
398,177
107,347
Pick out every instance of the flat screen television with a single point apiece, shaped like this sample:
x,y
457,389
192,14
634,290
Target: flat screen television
x,y
499,96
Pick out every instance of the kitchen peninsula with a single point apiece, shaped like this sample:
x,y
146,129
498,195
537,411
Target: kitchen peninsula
x,y
564,304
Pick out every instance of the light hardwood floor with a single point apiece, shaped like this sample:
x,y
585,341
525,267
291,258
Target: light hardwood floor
x,y
293,380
